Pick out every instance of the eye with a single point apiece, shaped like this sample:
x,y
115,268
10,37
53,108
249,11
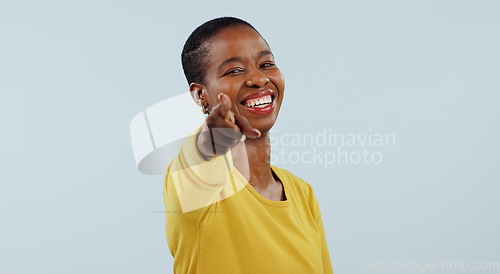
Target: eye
x,y
233,71
267,65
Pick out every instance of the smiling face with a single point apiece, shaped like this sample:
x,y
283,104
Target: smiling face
x,y
241,65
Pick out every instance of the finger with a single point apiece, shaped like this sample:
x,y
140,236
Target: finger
x,y
217,119
225,107
245,127
226,136
214,141
222,130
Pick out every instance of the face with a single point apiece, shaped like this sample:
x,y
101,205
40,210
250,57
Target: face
x,y
241,65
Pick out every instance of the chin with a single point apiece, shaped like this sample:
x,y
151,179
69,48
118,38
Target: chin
x,y
265,123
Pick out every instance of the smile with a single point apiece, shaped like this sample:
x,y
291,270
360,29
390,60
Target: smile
x,y
260,103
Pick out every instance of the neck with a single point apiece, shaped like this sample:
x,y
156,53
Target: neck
x,y
256,162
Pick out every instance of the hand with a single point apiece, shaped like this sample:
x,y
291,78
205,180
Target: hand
x,y
223,129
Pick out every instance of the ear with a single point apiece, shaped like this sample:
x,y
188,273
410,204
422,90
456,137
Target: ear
x,y
197,93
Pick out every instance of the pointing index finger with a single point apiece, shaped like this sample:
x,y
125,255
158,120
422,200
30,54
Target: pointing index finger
x,y
225,107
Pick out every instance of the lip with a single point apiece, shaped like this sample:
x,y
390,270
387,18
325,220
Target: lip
x,y
266,110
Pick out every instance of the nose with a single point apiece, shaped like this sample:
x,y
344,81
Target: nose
x,y
257,78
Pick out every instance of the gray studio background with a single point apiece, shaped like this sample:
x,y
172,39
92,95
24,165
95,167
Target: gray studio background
x,y
74,73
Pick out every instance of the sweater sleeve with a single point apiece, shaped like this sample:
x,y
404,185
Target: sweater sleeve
x,y
195,182
325,254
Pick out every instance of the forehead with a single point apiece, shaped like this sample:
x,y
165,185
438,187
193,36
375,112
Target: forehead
x,y
236,41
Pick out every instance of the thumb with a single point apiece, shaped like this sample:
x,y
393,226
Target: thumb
x,y
245,127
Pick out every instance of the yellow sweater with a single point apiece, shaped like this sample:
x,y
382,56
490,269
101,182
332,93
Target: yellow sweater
x,y
216,222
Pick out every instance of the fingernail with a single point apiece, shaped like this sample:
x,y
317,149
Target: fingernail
x,y
243,138
220,96
257,132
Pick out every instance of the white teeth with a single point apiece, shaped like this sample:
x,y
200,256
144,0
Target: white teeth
x,y
261,102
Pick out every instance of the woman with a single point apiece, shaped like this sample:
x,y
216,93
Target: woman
x,y
229,210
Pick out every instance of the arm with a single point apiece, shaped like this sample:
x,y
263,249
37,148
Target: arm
x,y
201,173
325,254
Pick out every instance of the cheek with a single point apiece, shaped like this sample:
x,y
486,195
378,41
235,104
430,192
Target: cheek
x,y
279,81
230,88
209,96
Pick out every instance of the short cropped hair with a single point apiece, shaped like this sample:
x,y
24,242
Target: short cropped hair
x,y
194,54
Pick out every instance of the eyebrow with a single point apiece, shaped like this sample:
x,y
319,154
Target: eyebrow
x,y
239,59
265,52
